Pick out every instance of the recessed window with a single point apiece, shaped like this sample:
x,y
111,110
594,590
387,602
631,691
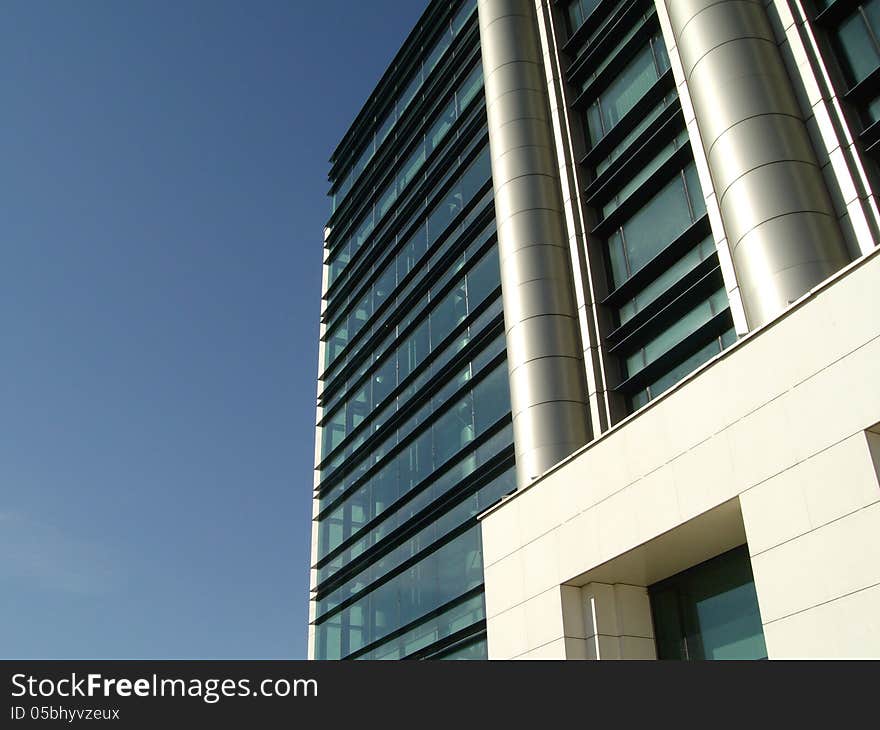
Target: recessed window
x,y
854,31
578,11
709,611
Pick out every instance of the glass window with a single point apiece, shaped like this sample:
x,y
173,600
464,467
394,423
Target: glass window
x,y
419,459
386,199
644,172
476,175
336,343
406,96
491,398
642,125
579,11
461,17
695,192
871,9
683,368
460,616
359,315
496,489
483,279
709,612
464,190
676,332
411,252
475,651
416,461
458,515
339,259
857,43
443,42
386,125
411,167
329,641
626,89
470,88
331,530
660,53
444,213
453,429
364,230
451,476
384,285
622,94
647,232
440,127
384,380
414,350
362,161
872,111
385,488
358,407
617,258
447,314
688,365
602,64
334,432
575,15
667,279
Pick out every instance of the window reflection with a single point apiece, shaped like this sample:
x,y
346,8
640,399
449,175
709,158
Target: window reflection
x,y
627,88
405,97
578,11
709,612
471,180
436,324
451,430
465,511
448,572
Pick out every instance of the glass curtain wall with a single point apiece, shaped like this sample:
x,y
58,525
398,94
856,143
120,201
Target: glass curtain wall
x,y
415,434
665,295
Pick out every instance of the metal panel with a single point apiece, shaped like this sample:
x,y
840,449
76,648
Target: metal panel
x,y
779,188
533,387
750,143
775,207
541,336
522,103
511,135
526,192
532,227
551,430
536,262
515,76
529,160
545,360
764,255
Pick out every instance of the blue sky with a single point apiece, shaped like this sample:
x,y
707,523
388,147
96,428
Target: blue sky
x,y
162,196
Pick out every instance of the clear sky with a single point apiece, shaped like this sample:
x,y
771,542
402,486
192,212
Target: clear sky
x,y
163,168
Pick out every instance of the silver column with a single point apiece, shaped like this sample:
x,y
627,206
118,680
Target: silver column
x,y
545,357
783,235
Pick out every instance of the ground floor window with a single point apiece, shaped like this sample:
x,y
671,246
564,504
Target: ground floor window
x,y
709,611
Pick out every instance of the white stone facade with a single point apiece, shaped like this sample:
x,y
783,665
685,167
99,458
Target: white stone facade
x,y
775,444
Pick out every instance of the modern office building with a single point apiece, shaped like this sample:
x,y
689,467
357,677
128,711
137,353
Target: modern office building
x,y
600,337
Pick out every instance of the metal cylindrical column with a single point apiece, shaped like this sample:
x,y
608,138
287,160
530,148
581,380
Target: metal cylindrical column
x,y
544,352
781,228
